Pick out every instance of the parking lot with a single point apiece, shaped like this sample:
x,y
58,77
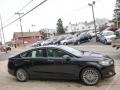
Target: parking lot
x,y
7,82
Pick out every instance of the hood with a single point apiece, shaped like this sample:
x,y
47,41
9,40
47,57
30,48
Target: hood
x,y
111,36
63,41
93,56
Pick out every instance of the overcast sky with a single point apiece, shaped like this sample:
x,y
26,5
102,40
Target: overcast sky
x,y
46,15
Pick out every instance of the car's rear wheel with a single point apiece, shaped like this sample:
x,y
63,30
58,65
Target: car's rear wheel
x,y
22,75
90,76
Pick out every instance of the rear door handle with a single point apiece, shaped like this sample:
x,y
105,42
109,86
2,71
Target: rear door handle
x,y
27,60
50,60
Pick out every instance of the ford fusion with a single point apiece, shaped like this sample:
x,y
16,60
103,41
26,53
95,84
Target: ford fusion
x,y
61,62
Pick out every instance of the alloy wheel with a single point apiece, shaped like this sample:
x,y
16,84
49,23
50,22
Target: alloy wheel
x,y
79,43
65,43
90,76
21,75
105,42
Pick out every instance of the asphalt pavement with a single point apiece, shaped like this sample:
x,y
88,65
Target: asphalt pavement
x,y
4,56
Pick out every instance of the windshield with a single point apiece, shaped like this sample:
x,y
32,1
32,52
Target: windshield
x,y
72,51
108,33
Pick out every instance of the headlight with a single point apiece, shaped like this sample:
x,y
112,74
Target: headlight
x,y
106,62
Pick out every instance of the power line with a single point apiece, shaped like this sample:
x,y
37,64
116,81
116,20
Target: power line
x,y
81,8
20,10
25,6
25,14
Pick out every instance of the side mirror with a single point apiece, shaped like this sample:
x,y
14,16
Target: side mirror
x,y
66,57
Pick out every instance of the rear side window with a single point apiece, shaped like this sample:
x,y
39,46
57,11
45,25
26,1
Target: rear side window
x,y
26,54
34,53
40,53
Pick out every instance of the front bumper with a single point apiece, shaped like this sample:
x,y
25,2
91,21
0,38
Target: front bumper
x,y
12,72
109,40
108,71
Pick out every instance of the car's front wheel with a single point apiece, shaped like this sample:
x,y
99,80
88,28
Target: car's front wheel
x,y
97,39
22,75
64,43
105,42
90,76
79,42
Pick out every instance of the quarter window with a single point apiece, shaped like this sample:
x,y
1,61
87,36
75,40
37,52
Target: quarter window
x,y
33,54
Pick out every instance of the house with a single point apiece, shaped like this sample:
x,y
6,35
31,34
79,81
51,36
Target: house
x,y
48,32
75,27
25,37
79,27
83,26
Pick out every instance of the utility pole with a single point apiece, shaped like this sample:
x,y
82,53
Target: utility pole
x,y
34,37
117,11
92,5
2,34
21,27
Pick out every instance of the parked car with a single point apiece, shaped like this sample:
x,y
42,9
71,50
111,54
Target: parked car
x,y
49,41
5,48
61,62
106,37
58,39
92,33
37,44
8,48
116,41
82,38
66,40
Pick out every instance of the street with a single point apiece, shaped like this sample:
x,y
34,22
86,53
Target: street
x,y
8,82
4,56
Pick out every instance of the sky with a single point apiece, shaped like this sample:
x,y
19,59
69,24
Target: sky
x,y
46,15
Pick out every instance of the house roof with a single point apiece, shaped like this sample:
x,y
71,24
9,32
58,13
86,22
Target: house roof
x,y
25,34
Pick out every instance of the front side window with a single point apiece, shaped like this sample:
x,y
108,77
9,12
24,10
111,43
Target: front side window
x,y
55,53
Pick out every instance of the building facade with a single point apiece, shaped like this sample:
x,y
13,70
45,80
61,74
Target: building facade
x,y
79,27
27,38
49,32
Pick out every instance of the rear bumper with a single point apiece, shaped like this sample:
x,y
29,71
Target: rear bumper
x,y
108,71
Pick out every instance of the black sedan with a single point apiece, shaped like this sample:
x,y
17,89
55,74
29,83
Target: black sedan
x,y
82,38
61,62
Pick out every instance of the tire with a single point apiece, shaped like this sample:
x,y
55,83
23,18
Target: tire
x,y
90,76
97,39
79,42
22,75
64,43
105,42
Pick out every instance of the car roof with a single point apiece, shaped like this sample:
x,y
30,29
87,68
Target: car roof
x,y
107,31
52,46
